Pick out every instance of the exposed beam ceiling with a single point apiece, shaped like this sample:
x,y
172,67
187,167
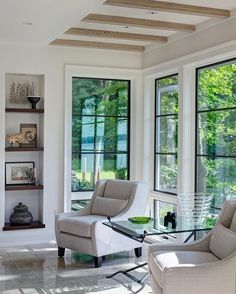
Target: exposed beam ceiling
x,y
98,45
115,35
170,7
137,22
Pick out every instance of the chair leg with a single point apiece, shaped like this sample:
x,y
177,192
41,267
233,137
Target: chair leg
x,y
98,261
61,251
138,251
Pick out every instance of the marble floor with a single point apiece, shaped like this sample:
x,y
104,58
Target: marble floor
x,y
36,269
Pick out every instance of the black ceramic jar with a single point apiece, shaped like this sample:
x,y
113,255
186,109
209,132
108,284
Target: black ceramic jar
x,y
21,215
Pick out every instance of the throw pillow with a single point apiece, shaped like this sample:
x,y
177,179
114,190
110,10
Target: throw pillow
x,y
233,223
108,206
223,241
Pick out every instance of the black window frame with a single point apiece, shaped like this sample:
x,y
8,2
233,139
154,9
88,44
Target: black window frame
x,y
128,117
197,112
155,134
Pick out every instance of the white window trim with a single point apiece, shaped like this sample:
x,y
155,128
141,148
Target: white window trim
x,y
136,122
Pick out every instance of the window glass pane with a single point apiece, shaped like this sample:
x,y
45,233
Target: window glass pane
x,y
217,176
100,134
111,134
217,133
167,134
167,95
166,173
83,172
217,87
100,97
88,168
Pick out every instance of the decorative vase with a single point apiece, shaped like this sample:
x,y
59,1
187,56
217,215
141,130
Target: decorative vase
x,y
195,206
21,215
33,100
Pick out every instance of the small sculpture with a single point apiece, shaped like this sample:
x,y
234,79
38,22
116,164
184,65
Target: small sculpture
x,y
17,138
170,218
167,219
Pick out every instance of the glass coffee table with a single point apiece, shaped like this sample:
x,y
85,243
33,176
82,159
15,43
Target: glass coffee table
x,y
139,232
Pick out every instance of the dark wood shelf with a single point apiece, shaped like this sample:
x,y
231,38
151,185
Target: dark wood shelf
x,y
23,187
33,225
23,149
22,110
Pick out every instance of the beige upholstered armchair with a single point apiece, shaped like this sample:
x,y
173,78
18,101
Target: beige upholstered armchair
x,y
207,266
84,231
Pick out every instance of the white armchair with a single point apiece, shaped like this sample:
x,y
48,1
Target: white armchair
x,y
84,231
207,266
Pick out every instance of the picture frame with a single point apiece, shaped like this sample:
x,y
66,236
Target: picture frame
x,y
30,133
19,173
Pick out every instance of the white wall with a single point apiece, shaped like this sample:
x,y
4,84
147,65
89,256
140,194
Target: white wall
x,y
49,61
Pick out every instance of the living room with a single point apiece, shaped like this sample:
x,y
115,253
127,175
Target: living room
x,y
157,85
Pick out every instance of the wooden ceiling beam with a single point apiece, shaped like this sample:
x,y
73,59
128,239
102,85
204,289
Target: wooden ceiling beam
x,y
170,7
115,35
97,45
137,22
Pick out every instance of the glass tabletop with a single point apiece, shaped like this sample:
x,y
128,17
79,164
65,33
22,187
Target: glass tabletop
x,y
156,227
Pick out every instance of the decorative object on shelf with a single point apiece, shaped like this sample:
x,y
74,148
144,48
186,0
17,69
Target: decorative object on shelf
x,y
195,206
30,134
21,215
18,92
33,100
140,219
18,173
17,138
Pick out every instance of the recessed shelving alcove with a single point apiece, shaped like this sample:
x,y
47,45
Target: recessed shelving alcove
x,y
20,118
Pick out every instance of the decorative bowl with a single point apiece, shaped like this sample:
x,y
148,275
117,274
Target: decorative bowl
x,y
140,219
33,100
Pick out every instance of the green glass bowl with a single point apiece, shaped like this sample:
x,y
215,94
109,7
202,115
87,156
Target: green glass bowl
x,y
140,219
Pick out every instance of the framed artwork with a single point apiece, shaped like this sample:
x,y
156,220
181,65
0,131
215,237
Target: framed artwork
x,y
30,133
19,173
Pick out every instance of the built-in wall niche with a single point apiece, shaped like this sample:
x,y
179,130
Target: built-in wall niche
x,y
19,86
24,145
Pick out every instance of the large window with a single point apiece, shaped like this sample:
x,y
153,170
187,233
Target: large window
x,y
166,134
216,131
100,131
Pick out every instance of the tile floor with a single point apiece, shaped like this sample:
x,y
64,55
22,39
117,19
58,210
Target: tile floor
x,y
36,269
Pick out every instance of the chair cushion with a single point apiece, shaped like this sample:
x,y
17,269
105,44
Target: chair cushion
x,y
108,206
233,223
165,259
80,225
223,241
118,189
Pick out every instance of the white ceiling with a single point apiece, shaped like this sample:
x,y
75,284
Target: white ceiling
x,y
51,18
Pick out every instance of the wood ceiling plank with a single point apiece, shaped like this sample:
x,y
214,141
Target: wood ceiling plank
x,y
97,45
170,7
137,22
115,35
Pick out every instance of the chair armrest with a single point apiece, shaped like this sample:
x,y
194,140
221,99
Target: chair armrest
x,y
211,278
200,245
